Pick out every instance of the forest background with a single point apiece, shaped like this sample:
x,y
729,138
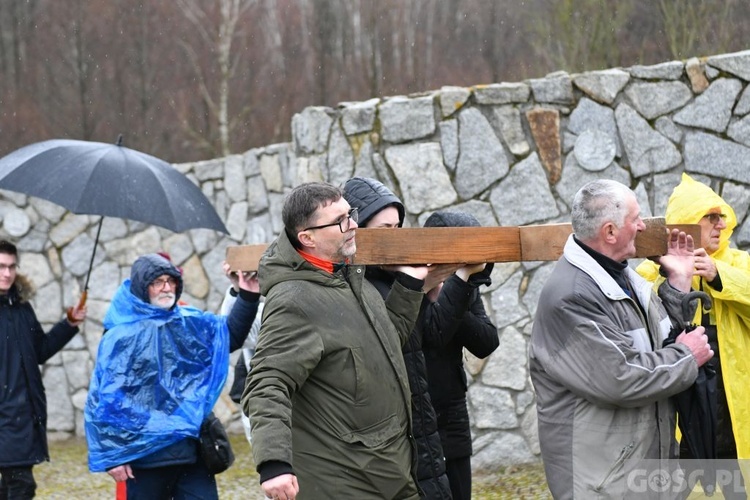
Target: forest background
x,y
188,80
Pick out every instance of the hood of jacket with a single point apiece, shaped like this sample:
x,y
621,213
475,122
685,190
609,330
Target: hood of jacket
x,y
21,291
691,200
688,203
369,197
146,269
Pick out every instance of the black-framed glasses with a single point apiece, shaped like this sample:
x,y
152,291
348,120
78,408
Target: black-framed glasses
x,y
344,224
715,218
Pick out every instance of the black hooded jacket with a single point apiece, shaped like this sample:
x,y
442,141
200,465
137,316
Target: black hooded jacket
x,y
369,196
457,320
23,405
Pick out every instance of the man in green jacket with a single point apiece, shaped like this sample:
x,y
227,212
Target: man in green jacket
x,y
328,395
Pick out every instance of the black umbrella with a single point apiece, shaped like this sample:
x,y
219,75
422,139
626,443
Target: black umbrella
x,y
696,406
110,180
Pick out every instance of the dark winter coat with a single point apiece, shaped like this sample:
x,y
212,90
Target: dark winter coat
x,y
457,320
23,405
433,482
328,392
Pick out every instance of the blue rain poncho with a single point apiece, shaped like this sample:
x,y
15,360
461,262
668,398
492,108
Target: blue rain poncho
x,y
158,374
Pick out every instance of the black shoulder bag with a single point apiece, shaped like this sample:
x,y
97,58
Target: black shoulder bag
x,y
215,449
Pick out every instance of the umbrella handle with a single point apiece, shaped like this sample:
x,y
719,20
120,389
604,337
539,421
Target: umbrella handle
x,y
81,303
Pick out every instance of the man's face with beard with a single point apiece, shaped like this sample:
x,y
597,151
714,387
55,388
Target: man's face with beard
x,y
162,291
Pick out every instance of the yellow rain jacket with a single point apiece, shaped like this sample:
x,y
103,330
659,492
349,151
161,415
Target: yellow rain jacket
x,y
689,202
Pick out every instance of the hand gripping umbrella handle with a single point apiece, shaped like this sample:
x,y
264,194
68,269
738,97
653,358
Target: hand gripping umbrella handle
x,y
81,303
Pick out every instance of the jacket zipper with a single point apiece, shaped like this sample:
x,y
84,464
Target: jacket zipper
x,y
624,453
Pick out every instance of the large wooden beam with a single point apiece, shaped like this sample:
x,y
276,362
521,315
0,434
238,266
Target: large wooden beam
x,y
446,245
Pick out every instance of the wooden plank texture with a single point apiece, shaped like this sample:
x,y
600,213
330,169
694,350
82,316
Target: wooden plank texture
x,y
245,257
446,245
546,241
438,245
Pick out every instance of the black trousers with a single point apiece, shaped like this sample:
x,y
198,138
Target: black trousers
x,y
17,483
458,471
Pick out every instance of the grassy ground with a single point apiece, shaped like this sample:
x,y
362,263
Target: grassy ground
x,y
67,477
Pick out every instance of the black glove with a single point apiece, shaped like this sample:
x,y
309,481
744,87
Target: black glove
x,y
483,276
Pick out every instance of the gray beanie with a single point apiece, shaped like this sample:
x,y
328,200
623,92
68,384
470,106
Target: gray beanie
x,y
446,218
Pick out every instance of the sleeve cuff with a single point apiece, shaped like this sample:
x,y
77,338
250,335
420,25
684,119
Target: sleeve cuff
x,y
249,296
409,282
273,468
716,283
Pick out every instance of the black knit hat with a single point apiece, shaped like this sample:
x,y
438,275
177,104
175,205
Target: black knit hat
x,y
446,218
370,196
146,269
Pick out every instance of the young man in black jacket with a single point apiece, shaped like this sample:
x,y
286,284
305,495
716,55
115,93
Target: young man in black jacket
x,y
23,405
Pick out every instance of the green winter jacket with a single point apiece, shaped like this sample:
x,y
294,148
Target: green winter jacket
x,y
328,391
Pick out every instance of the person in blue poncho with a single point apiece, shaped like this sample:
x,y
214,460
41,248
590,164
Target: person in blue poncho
x,y
159,371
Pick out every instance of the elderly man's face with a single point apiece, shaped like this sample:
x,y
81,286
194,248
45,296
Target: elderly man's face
x,y
162,292
711,226
329,242
633,224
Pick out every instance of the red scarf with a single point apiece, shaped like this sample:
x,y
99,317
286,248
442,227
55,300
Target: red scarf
x,y
325,265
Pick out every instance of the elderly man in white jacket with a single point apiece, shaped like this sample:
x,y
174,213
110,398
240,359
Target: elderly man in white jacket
x,y
603,379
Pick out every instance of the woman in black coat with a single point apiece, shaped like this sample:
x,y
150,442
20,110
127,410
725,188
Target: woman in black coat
x,y
453,318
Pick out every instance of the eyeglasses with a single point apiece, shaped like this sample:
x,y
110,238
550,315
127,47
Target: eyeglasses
x,y
344,224
158,284
12,268
715,218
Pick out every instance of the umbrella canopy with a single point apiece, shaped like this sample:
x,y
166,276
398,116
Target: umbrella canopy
x,y
697,406
110,180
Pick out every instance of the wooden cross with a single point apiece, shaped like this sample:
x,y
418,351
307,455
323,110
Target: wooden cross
x,y
470,245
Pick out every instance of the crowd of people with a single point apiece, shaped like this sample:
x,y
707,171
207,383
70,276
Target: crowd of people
x,y
351,378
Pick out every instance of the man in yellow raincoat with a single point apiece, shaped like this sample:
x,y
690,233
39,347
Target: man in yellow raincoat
x,y
724,274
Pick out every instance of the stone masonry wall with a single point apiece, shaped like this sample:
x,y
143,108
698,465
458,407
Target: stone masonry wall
x,y
510,153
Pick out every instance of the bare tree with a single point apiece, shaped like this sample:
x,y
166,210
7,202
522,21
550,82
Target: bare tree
x,y
686,23
16,21
581,34
219,40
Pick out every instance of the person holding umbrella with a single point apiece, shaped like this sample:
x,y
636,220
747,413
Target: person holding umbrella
x,y
23,406
159,370
602,378
723,273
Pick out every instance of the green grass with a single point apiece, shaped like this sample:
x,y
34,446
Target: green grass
x,y
67,477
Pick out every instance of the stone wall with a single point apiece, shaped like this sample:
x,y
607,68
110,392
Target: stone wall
x,y
510,153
